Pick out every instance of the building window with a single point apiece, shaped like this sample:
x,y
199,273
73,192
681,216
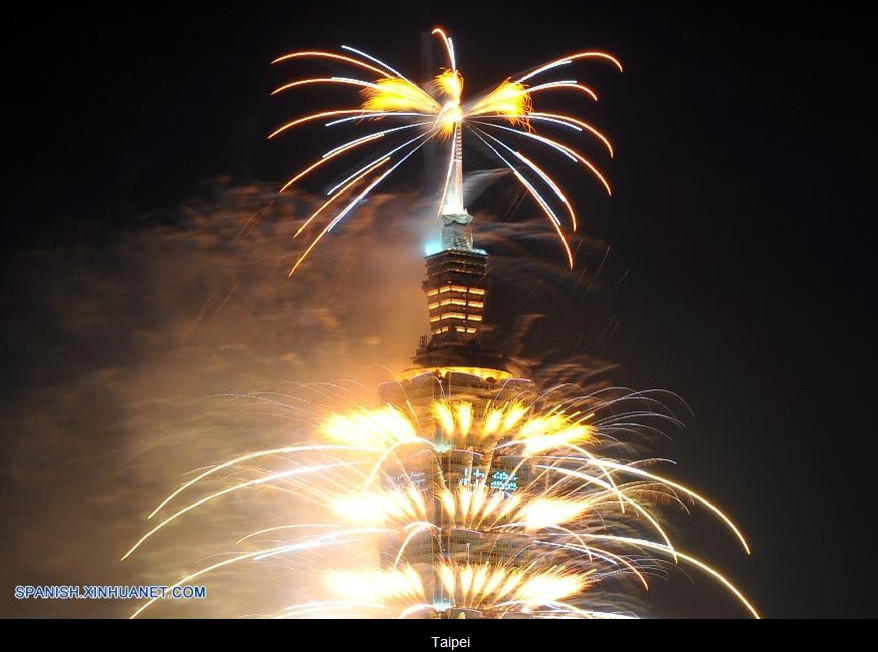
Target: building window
x,y
452,302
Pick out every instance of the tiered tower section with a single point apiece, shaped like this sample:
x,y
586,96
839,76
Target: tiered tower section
x,y
455,365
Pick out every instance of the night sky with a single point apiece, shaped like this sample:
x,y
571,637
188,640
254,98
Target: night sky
x,y
741,179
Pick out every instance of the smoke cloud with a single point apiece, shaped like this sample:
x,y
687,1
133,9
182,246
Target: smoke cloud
x,y
133,359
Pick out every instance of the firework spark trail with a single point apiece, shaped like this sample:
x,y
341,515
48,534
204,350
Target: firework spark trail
x,y
568,502
440,112
556,223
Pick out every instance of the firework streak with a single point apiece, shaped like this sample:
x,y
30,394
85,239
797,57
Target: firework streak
x,y
402,117
512,512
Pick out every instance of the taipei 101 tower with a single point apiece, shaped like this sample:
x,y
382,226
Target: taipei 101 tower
x,y
455,366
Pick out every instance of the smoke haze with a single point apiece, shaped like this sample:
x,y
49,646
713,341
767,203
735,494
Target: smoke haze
x,y
137,357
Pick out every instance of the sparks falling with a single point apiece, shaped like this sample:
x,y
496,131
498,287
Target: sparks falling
x,y
404,117
510,511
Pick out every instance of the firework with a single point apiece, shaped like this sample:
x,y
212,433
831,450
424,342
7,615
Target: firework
x,y
484,500
507,511
404,117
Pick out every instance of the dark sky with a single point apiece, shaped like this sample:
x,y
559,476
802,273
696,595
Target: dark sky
x,y
744,160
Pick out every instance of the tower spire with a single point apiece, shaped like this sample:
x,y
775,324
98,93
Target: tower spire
x,y
456,231
454,197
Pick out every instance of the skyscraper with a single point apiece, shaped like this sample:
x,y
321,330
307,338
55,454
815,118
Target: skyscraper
x,y
457,365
